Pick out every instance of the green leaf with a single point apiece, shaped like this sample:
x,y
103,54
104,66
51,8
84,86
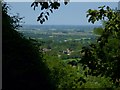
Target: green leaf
x,y
65,3
32,4
51,11
48,13
46,17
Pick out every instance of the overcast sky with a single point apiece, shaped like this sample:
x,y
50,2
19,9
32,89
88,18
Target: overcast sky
x,y
72,14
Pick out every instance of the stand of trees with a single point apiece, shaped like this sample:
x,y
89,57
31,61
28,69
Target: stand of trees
x,y
103,57
24,67
23,64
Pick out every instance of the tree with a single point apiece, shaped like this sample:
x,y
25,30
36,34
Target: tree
x,y
23,64
103,57
47,6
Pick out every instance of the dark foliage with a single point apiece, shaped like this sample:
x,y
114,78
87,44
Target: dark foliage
x,y
23,66
47,7
103,57
73,63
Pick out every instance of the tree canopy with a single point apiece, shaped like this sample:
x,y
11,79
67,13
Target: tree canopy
x,y
47,7
23,64
102,57
24,67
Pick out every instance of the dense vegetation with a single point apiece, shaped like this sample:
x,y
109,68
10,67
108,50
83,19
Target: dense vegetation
x,y
103,57
23,66
26,66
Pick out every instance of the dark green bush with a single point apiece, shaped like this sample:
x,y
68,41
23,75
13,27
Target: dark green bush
x,y
23,66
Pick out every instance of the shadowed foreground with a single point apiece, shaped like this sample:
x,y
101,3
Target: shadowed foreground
x,y
23,66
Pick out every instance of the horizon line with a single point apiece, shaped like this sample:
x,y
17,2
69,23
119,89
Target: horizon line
x,y
66,24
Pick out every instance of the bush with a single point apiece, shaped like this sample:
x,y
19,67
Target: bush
x,y
23,66
68,76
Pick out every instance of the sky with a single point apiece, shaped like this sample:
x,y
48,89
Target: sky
x,y
64,0
73,13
